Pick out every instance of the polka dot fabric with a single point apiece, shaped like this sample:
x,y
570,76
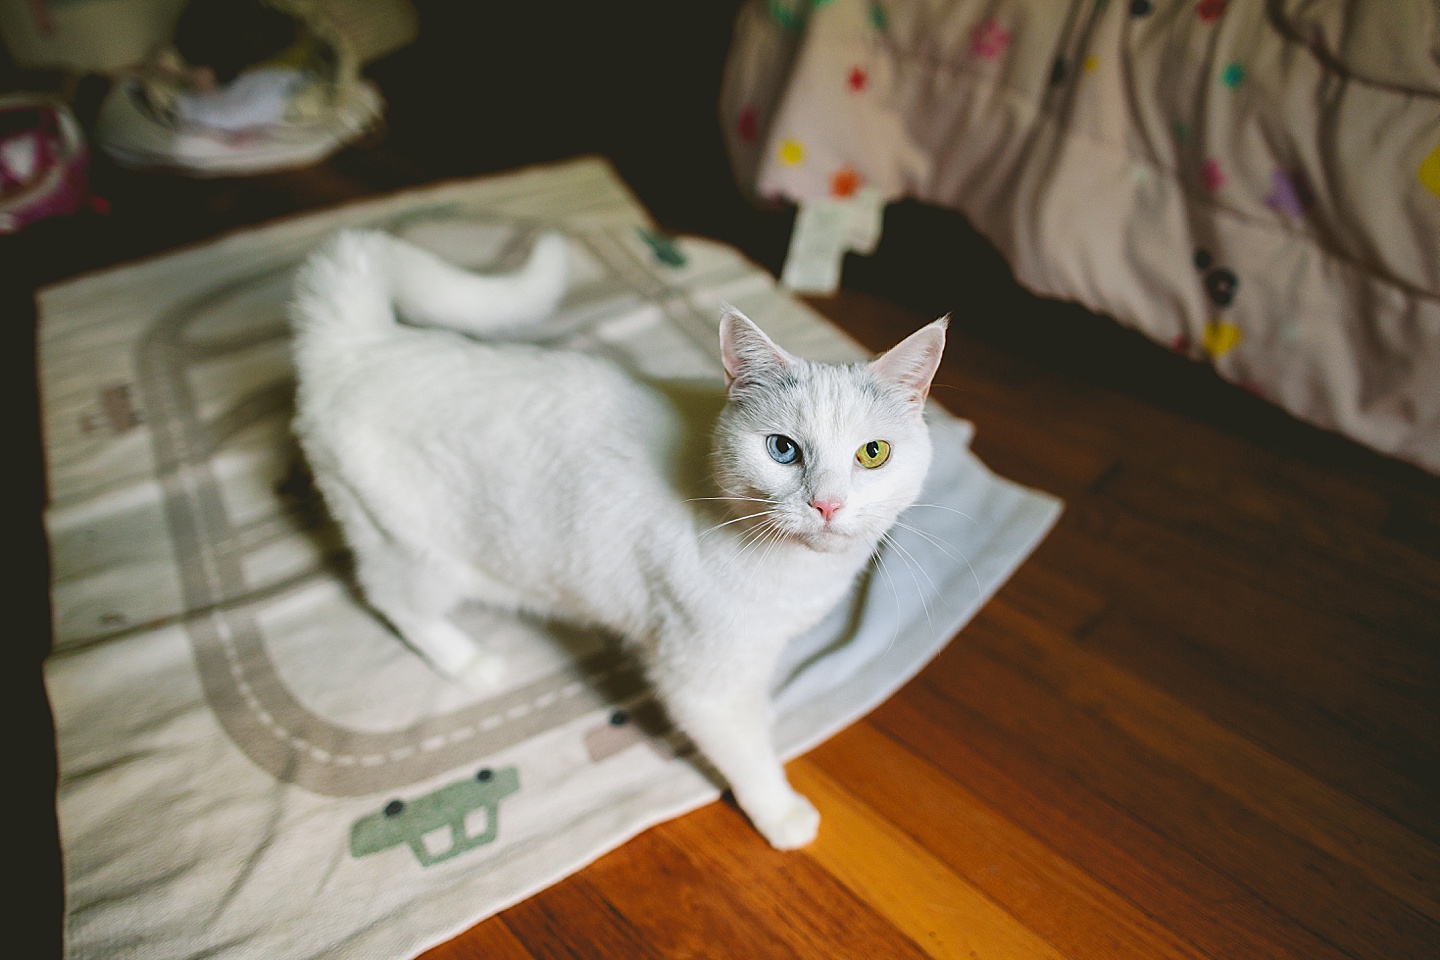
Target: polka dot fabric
x,y
1100,144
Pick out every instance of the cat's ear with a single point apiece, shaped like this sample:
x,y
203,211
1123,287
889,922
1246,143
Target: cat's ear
x,y
746,352
911,363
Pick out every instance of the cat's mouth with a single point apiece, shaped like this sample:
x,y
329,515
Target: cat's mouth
x,y
830,536
806,528
830,541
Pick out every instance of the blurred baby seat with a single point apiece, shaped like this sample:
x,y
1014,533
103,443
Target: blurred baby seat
x,y
247,87
43,160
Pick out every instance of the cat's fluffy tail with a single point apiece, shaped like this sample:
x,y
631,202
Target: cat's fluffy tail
x,y
350,290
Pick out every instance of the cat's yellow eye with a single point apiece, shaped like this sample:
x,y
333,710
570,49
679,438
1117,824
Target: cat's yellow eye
x,y
872,454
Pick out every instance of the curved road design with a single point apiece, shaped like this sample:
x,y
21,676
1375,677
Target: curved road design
x,y
224,602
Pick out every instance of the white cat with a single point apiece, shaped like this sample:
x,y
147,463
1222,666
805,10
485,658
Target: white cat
x,y
554,482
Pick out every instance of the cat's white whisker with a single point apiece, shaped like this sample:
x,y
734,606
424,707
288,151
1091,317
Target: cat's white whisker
x,y
890,582
774,541
934,590
766,535
911,564
945,547
933,506
941,506
727,523
749,541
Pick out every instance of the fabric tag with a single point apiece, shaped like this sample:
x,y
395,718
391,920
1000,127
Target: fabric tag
x,y
817,247
824,231
867,217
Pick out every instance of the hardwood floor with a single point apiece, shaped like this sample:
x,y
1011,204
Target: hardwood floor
x,y
1201,722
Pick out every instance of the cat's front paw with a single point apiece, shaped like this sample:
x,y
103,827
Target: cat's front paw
x,y
793,824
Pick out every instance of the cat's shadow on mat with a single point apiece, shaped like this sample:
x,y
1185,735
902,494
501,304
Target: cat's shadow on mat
x,y
644,720
645,717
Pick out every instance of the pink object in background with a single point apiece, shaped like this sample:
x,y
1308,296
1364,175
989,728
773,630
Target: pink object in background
x,y
43,161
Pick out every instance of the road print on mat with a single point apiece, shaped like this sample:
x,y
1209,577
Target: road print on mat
x,y
217,395
251,764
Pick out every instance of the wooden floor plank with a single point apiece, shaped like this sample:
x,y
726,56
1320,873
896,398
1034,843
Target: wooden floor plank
x,y
1030,451
651,882
1328,561
799,900
490,940
1221,917
1303,882
1081,917
1054,596
945,914
1195,558
1414,522
1171,444
572,921
1353,833
1263,710
1213,597
1110,423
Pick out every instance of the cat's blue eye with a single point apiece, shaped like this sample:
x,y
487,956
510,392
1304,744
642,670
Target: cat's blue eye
x,y
781,448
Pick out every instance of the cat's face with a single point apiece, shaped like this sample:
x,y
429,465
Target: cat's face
x,y
828,455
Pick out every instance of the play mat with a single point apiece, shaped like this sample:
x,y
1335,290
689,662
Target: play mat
x,y
251,765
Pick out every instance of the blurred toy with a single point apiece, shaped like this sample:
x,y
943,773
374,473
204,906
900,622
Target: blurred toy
x,y
43,160
247,86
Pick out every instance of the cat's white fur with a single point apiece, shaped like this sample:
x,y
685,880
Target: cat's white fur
x,y
554,482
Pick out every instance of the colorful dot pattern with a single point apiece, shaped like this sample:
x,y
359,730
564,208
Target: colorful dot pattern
x,y
1210,10
989,40
1430,172
844,182
747,125
1211,175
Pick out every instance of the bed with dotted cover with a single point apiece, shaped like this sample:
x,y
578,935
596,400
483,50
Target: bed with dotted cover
x,y
1255,183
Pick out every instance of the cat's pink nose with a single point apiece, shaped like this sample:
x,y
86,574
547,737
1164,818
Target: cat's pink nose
x,y
827,508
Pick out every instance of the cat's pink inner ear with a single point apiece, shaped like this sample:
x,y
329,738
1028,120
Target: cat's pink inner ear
x,y
746,352
911,363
